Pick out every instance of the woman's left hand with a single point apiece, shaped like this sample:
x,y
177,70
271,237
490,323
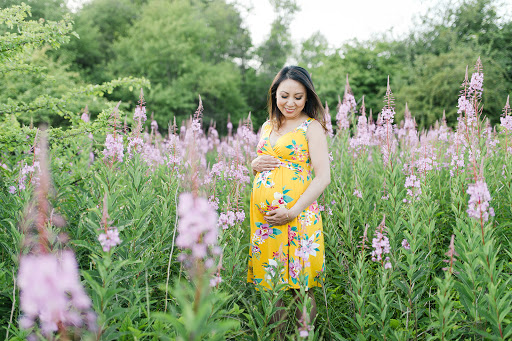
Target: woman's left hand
x,y
279,216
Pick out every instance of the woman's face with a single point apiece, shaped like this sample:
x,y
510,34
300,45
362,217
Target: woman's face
x,y
291,98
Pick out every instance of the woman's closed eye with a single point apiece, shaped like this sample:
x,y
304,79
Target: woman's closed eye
x,y
285,97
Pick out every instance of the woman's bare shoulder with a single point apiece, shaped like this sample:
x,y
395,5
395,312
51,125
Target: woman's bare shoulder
x,y
315,129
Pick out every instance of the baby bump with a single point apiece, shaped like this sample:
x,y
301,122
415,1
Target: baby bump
x,y
275,189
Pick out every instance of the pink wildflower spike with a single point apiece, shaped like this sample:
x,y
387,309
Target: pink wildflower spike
x,y
479,201
328,122
380,245
51,295
85,115
451,254
412,183
477,79
364,239
506,119
110,238
305,327
388,112
348,104
197,226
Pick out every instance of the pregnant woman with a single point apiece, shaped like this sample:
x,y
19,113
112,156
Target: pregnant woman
x,y
286,226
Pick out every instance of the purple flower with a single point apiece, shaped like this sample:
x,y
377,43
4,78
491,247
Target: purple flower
x,y
412,183
135,144
85,117
506,122
51,293
479,201
114,147
263,231
197,226
327,118
477,83
140,114
12,189
405,244
381,246
240,216
109,239
294,268
215,281
357,193
227,219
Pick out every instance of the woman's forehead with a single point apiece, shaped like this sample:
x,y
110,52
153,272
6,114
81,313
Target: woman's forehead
x,y
291,86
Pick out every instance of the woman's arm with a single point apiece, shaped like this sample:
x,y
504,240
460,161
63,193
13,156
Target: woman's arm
x,y
319,154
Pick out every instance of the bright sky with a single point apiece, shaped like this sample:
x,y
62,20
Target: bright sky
x,y
342,20
337,20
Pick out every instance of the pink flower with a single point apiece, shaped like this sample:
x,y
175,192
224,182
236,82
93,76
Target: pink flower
x,y
140,114
134,145
52,294
476,84
478,206
405,244
215,281
263,231
381,246
114,147
85,117
109,239
240,216
306,248
327,118
357,193
506,122
197,226
12,189
412,183
294,268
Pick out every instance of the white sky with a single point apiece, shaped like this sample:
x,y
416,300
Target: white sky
x,y
337,20
341,20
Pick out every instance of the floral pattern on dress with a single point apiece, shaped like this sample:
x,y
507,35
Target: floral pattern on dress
x,y
298,246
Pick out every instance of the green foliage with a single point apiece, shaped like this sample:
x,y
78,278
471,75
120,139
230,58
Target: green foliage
x,y
176,47
422,66
36,89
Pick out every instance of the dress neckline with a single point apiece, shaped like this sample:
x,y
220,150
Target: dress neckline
x,y
291,131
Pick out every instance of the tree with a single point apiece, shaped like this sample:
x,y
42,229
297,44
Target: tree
x,y
185,53
99,24
276,49
46,9
34,87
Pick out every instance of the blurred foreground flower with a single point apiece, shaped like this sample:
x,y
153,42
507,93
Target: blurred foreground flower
x,y
197,226
51,294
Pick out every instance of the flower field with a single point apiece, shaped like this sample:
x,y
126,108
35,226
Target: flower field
x,y
113,231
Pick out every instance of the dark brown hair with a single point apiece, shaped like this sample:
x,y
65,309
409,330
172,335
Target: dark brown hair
x,y
313,107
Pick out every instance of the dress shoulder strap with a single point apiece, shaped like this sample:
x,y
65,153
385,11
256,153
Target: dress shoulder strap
x,y
265,127
304,126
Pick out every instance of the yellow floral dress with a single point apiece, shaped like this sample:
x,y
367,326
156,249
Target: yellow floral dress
x,y
298,245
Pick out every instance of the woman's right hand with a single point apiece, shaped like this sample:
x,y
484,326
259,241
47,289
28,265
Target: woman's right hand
x,y
265,163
